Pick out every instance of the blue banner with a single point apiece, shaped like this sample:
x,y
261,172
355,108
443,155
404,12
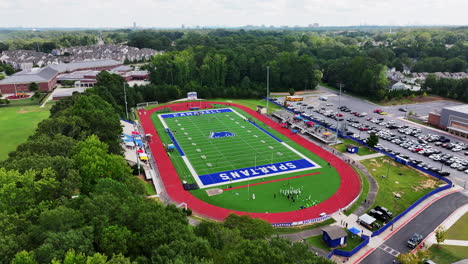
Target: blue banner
x,y
254,172
195,113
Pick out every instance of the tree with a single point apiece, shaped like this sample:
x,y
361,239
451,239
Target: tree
x,y
249,227
114,240
372,140
440,234
414,258
24,257
33,87
291,91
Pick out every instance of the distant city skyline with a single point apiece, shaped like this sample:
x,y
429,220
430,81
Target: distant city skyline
x,y
228,13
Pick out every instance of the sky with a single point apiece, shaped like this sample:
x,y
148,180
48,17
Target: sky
x,y
229,13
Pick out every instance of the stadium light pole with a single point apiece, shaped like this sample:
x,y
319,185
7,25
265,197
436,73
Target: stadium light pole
x,y
268,87
125,97
337,118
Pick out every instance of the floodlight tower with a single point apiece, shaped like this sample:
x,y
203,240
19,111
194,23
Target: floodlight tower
x,y
268,87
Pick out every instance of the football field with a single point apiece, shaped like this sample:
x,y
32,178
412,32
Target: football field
x,y
220,146
250,166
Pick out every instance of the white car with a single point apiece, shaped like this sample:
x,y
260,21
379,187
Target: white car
x,y
323,98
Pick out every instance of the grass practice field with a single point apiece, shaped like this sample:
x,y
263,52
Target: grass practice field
x,y
17,123
251,166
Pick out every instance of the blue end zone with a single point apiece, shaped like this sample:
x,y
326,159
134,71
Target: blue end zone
x,y
175,142
268,133
195,113
254,172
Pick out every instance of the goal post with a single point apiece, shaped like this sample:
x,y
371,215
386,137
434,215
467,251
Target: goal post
x,y
146,104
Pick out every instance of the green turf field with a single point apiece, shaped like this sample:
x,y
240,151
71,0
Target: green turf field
x,y
249,147
17,123
245,149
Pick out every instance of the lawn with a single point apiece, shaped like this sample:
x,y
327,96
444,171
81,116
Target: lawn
x,y
365,190
363,151
351,242
448,254
17,123
27,101
459,231
394,178
254,149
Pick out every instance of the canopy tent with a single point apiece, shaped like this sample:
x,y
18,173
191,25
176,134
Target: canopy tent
x,y
354,230
135,133
127,138
310,123
143,156
129,143
298,117
140,151
294,131
365,218
326,133
283,125
139,142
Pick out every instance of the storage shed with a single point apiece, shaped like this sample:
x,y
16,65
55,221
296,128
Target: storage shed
x,y
334,236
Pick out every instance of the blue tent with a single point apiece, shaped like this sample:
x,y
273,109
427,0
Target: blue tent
x,y
354,230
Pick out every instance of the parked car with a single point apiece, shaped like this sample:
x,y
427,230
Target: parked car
x,y
414,240
384,210
323,98
378,215
402,109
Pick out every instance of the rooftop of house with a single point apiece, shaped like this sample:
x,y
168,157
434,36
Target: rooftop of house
x,y
334,232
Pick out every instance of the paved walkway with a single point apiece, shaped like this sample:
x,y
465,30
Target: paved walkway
x,y
370,156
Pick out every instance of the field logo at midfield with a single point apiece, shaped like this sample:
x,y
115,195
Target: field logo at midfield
x,y
221,134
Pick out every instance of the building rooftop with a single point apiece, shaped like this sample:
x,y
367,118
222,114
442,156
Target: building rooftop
x,y
35,75
73,66
334,232
463,108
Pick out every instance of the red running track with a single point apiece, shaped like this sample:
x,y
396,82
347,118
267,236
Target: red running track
x,y
349,188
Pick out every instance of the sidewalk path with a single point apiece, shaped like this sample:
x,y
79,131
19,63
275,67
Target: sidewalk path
x,y
370,156
463,243
450,221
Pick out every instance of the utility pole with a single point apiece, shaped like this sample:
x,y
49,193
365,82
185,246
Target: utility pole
x,y
125,96
338,118
268,87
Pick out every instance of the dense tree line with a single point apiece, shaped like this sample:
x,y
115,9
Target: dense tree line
x,y
68,196
451,88
46,41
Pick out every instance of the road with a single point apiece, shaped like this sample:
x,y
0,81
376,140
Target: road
x,y
424,223
358,105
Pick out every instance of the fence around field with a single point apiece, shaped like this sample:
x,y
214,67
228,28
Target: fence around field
x,y
348,254
389,224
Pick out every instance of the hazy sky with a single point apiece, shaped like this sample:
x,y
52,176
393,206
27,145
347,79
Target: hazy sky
x,y
174,13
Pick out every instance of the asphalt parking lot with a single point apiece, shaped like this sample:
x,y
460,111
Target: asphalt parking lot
x,y
394,115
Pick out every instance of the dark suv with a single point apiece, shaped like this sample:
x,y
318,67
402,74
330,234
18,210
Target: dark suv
x,y
378,215
384,210
414,240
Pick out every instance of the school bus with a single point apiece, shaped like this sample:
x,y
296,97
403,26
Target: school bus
x,y
294,98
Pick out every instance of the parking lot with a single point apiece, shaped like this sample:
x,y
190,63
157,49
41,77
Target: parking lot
x,y
432,149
